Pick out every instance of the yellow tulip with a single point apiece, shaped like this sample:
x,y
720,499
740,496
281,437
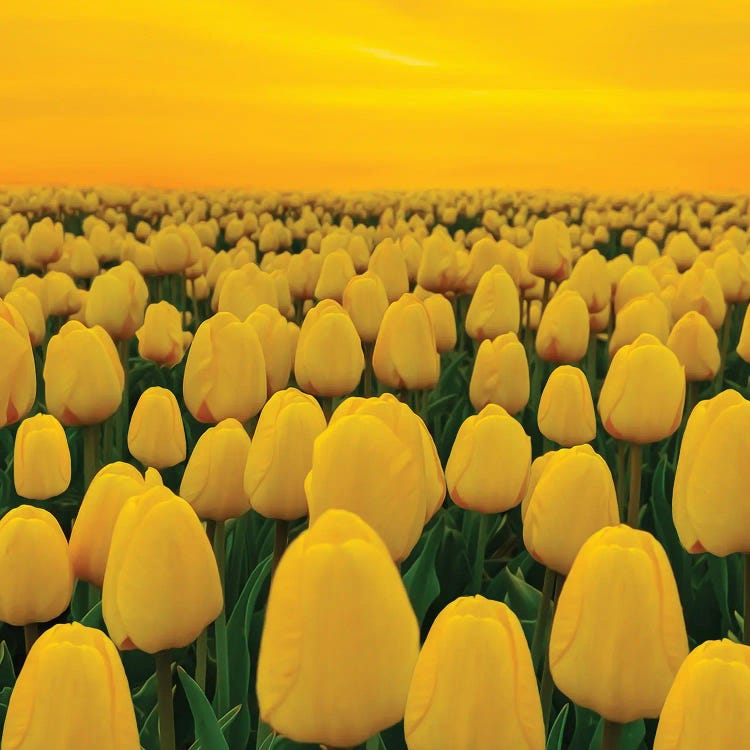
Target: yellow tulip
x,y
405,354
271,327
699,289
36,576
500,375
18,373
706,705
733,272
483,442
643,394
329,359
335,273
337,591
474,685
280,456
637,281
8,275
222,348
29,306
117,301
303,273
156,435
160,338
438,266
566,409
494,308
93,712
147,602
59,295
682,250
645,251
573,496
443,321
92,531
245,289
213,478
591,280
389,265
366,301
563,333
550,253
645,314
83,377
175,248
696,345
618,655
44,242
41,458
83,261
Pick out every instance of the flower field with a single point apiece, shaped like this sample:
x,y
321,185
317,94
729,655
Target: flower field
x,y
440,470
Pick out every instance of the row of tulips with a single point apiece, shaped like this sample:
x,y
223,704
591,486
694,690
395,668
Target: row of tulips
x,y
339,658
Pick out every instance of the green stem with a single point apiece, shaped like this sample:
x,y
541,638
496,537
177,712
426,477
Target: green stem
x,y
476,584
196,314
634,501
201,659
280,541
90,452
547,687
591,362
368,375
726,329
30,634
545,294
220,626
611,735
166,707
621,448
93,596
543,616
691,398
746,610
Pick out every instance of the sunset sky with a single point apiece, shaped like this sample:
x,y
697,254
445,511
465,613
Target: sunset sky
x,y
599,94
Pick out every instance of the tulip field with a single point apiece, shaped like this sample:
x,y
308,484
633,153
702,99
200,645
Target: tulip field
x,y
441,470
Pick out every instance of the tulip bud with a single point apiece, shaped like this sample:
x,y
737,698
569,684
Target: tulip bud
x,y
44,243
438,267
303,273
271,327
117,301
8,276
405,354
500,375
92,531
280,456
412,251
335,274
699,289
146,603
563,334
591,280
36,576
618,655
59,295
366,301
566,409
97,713
212,482
329,359
476,648
494,308
160,338
637,281
41,458
18,373
13,249
83,261
573,496
733,272
705,707
643,394
482,441
443,321
156,435
223,347
682,250
646,314
549,256
696,345
83,377
175,248
28,305
377,459
389,265
311,601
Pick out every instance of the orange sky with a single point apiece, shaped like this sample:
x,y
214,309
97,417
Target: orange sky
x,y
601,94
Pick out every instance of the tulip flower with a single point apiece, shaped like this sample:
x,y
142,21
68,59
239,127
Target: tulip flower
x,y
637,281
438,266
487,253
566,409
83,261
175,248
156,435
303,273
500,375
92,531
443,321
8,275
377,459
280,456
245,289
30,307
682,250
706,705
591,280
335,273
13,249
213,478
388,263
83,377
44,242
563,334
573,496
696,345
550,252
36,576
59,295
222,348
405,354
645,314
329,359
337,591
494,308
146,603
733,272
117,301
618,655
271,327
18,373
366,301
476,649
699,289
483,442
161,338
41,458
645,251
71,692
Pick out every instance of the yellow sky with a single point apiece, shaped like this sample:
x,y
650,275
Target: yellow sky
x,y
601,94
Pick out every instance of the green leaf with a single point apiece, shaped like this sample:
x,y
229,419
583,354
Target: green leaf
x,y
521,597
4,701
207,729
630,739
224,724
7,672
554,741
375,743
93,618
149,734
144,700
421,580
